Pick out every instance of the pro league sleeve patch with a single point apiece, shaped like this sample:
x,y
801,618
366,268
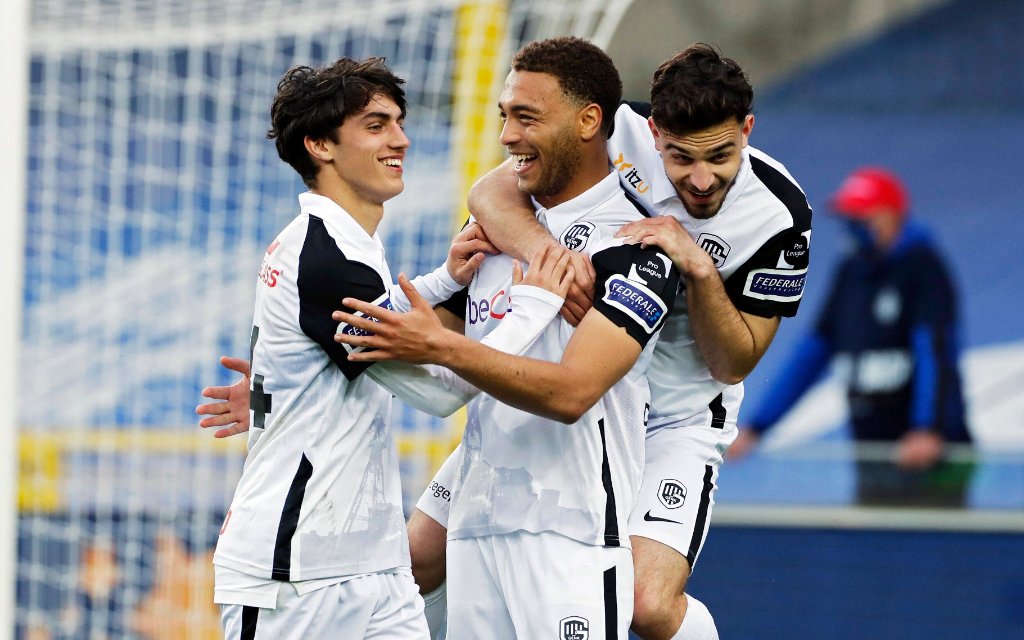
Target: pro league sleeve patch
x,y
384,302
780,285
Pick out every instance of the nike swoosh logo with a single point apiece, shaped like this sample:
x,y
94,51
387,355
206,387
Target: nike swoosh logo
x,y
649,518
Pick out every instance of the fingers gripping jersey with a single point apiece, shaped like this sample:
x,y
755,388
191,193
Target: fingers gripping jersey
x,y
759,241
520,472
319,496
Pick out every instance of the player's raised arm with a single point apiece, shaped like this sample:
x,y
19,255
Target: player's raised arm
x,y
507,215
436,389
602,349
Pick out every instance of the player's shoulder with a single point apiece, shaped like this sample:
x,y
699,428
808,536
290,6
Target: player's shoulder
x,y
774,191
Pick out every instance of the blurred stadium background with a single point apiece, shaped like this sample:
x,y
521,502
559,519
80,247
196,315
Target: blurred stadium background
x,y
137,153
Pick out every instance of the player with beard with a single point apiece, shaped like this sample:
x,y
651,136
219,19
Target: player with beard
x,y
737,226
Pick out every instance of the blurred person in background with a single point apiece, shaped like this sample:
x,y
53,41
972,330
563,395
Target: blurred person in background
x,y
890,325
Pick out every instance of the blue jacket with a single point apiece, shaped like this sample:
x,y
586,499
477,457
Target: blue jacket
x,y
890,321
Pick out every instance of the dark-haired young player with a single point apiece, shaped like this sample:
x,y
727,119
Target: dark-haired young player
x,y
314,544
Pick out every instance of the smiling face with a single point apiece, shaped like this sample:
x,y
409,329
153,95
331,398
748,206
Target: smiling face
x,y
539,131
703,165
364,167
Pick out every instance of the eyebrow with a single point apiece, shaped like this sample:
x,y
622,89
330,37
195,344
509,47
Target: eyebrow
x,y
382,115
519,108
725,146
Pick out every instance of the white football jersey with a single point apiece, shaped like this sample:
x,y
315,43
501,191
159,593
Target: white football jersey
x,y
760,242
521,472
319,495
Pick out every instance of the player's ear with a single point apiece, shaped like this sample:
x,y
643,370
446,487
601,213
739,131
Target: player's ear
x,y
655,132
318,149
748,126
589,121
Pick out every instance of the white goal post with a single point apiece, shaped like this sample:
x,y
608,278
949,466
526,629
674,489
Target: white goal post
x,y
13,117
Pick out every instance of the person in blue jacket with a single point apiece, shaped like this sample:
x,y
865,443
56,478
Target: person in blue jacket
x,y
890,324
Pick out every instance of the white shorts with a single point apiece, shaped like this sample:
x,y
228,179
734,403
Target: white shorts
x,y
538,585
378,605
678,489
436,501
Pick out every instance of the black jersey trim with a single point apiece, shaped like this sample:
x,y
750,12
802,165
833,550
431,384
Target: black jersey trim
x,y
290,521
250,615
611,603
325,276
633,200
701,523
785,190
718,413
611,521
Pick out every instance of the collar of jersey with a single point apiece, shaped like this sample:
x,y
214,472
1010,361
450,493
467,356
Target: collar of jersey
x,y
330,212
561,216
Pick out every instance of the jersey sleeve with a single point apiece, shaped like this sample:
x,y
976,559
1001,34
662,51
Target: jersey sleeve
x,y
635,288
326,275
771,282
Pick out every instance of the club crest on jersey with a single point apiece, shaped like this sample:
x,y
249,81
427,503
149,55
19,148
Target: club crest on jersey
x,y
672,493
384,301
715,247
576,236
636,300
780,285
574,628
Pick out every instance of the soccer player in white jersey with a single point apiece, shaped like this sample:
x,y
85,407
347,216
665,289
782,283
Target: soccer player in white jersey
x,y
538,541
737,226
314,543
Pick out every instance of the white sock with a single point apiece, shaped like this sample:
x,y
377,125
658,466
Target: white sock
x,y
435,608
697,623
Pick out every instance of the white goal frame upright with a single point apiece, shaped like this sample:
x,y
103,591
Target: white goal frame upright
x,y
13,119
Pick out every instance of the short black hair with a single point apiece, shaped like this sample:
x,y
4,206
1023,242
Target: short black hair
x,y
585,73
698,88
314,102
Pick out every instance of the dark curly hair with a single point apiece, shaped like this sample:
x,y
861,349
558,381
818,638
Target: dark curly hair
x,y
315,102
698,88
585,73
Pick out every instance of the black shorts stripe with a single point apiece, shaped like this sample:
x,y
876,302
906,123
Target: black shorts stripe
x,y
611,521
701,522
717,412
611,605
249,616
290,521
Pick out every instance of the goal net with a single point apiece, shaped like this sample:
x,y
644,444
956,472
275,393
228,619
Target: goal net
x,y
151,194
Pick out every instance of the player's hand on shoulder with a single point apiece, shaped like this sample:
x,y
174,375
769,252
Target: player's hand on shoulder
x,y
469,248
231,412
550,268
667,234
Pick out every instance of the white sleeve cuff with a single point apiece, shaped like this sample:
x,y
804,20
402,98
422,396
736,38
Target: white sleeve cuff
x,y
435,287
533,309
